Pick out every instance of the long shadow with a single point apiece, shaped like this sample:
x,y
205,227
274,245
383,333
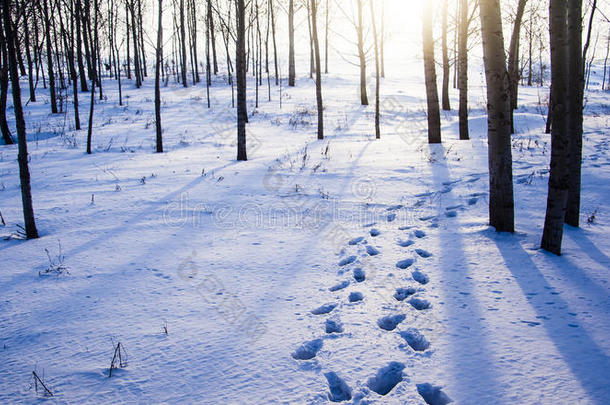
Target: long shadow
x,y
588,247
588,362
473,365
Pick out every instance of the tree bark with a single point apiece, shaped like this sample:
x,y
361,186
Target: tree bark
x,y
559,177
501,199
364,100
291,66
240,67
377,73
463,69
316,46
446,103
575,118
24,172
513,61
158,63
434,117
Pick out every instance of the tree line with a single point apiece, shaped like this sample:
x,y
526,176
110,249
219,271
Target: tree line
x,y
72,46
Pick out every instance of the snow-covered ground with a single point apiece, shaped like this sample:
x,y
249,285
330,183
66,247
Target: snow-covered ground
x,y
222,280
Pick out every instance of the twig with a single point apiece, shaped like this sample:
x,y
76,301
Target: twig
x,y
39,380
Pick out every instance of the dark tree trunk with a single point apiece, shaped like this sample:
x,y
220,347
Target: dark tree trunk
x,y
446,68
183,43
240,67
159,61
364,100
559,177
26,32
24,172
501,199
79,46
291,66
316,46
463,68
576,86
434,116
513,61
47,28
4,78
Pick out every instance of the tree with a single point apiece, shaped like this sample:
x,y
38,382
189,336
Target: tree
x,y
513,61
434,116
291,66
576,93
462,63
501,198
377,72
24,172
364,100
47,27
159,62
240,67
559,177
446,67
316,45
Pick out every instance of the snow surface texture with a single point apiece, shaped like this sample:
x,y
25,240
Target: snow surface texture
x,y
232,258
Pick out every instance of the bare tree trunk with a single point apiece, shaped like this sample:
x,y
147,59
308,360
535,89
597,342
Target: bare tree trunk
x,y
446,68
463,68
4,79
158,63
24,172
576,90
377,73
47,28
326,30
501,199
316,45
559,177
434,117
513,61
28,54
273,35
291,66
240,67
364,100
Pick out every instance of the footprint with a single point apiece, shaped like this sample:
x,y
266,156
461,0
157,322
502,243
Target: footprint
x,y
404,264
355,296
334,326
419,234
308,350
420,277
359,275
356,241
419,303
405,243
339,390
403,293
339,286
423,253
391,216
451,214
324,309
473,201
372,250
433,395
415,339
387,378
347,260
375,232
390,322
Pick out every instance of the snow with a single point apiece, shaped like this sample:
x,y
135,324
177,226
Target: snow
x,y
239,260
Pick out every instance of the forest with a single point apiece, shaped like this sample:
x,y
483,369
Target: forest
x,y
305,201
